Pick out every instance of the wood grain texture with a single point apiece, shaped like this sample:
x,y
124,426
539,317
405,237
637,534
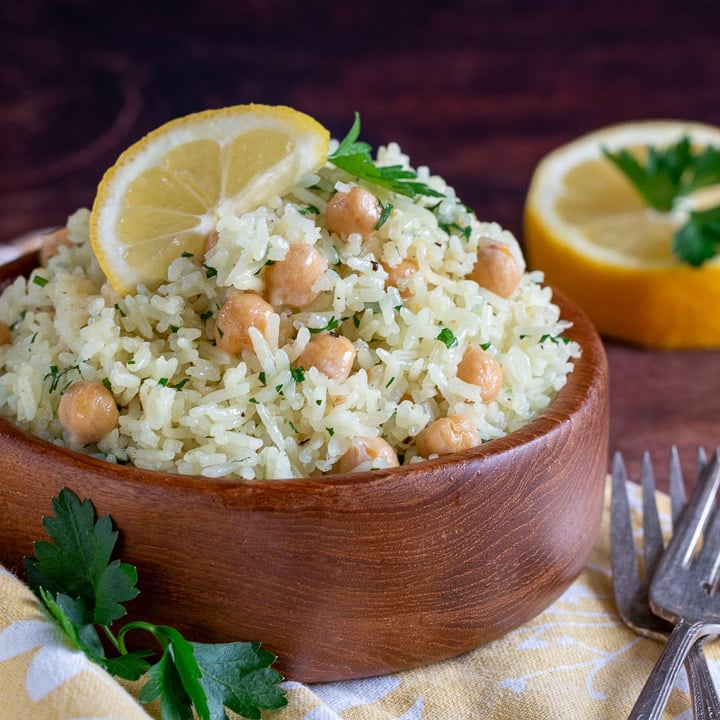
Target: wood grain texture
x,y
350,575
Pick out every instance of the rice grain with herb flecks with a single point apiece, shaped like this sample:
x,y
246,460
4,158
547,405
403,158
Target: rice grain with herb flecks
x,y
186,405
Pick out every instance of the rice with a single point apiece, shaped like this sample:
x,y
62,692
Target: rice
x,y
187,406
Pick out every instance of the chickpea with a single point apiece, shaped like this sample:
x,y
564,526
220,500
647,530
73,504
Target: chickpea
x,y
289,282
4,333
356,211
482,369
400,274
496,270
333,355
367,449
447,435
235,318
51,244
88,412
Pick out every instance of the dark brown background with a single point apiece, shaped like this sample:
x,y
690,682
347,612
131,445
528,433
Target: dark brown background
x,y
478,91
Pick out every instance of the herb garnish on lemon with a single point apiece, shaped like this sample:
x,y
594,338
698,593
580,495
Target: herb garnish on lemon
x,y
643,274
673,179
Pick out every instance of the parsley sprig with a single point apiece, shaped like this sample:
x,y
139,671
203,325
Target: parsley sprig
x,y
666,179
355,158
84,590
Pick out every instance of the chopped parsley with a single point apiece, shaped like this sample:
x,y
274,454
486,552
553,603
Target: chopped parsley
x,y
385,210
555,339
463,230
23,312
40,280
332,324
165,382
57,376
447,336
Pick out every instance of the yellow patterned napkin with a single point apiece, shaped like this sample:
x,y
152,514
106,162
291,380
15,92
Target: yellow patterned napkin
x,y
575,660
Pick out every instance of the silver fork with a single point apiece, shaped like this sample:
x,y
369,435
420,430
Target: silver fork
x,y
682,590
631,589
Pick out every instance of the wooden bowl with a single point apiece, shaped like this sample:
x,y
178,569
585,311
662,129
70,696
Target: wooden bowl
x,y
349,575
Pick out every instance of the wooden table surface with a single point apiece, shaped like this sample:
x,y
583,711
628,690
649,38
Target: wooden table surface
x,y
478,91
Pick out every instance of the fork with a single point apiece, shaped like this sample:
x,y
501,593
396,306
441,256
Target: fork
x,y
682,590
631,590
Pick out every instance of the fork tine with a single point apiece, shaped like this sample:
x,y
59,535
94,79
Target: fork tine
x,y
622,545
695,516
708,559
701,459
677,485
652,533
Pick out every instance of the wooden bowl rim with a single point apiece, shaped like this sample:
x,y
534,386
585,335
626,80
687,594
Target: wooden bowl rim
x,y
570,399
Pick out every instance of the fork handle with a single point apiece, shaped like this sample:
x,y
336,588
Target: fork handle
x,y
706,705
653,697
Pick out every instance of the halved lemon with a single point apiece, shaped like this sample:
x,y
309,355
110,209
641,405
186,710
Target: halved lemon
x,y
166,192
588,229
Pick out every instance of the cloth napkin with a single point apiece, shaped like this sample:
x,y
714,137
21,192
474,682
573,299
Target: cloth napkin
x,y
575,660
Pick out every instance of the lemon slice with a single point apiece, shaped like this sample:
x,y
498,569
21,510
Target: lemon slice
x,y
166,192
589,231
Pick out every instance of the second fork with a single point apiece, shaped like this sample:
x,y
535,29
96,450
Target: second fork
x,y
682,589
631,588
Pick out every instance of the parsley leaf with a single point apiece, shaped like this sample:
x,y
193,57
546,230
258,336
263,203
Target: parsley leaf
x,y
660,181
175,678
238,676
77,562
447,336
670,175
355,158
84,589
699,239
